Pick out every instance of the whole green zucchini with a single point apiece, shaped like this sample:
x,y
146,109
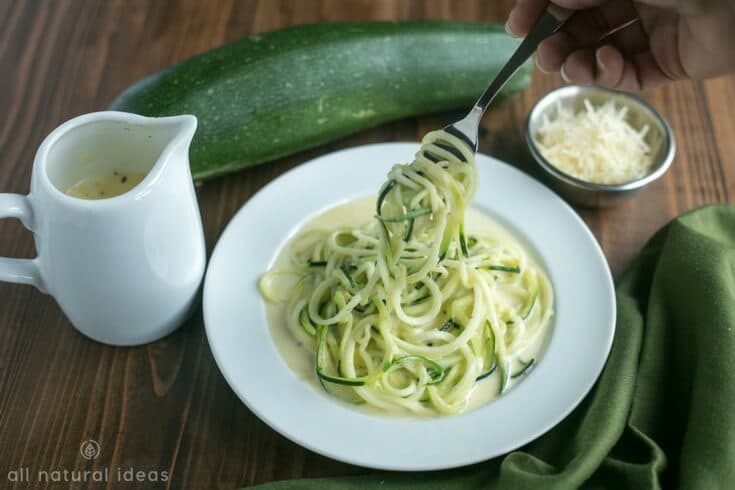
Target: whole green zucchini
x,y
277,93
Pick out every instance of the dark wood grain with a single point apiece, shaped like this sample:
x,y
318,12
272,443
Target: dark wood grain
x,y
165,406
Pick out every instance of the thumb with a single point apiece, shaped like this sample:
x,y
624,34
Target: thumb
x,y
525,13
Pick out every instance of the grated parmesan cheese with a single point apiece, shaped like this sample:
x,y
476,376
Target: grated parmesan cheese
x,y
596,144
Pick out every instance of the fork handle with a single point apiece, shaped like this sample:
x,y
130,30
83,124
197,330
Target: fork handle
x,y
550,21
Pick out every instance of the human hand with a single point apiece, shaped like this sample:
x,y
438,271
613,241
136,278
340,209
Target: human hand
x,y
671,40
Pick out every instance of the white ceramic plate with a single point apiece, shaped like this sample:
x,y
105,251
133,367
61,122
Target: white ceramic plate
x,y
239,336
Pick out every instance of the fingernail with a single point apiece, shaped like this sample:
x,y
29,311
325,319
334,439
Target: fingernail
x,y
564,75
540,67
507,30
597,60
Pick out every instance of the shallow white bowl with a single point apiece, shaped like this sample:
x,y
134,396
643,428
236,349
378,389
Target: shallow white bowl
x,y
238,333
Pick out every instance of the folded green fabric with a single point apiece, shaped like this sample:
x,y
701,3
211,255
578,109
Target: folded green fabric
x,y
662,414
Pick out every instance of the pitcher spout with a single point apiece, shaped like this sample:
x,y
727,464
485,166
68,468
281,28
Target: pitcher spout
x,y
180,129
176,134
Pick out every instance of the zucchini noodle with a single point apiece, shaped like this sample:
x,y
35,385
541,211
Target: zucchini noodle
x,y
409,312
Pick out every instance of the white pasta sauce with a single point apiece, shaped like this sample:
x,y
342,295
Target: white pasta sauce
x,y
301,359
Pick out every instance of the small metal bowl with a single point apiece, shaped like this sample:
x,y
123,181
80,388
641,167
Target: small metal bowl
x,y
659,137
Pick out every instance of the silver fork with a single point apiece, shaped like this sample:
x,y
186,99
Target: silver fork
x,y
553,18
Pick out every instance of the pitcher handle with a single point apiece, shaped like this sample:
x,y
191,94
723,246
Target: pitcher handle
x,y
21,271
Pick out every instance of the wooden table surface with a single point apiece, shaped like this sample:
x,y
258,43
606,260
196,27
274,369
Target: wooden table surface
x,y
165,407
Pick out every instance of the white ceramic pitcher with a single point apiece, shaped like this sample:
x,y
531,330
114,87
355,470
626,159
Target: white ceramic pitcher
x,y
125,270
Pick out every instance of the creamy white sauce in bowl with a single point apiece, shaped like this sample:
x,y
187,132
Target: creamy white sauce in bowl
x,y
301,360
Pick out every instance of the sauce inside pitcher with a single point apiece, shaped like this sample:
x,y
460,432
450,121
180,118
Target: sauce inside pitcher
x,y
105,185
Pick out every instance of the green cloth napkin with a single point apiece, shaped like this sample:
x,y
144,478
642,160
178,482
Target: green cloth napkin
x,y
662,414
